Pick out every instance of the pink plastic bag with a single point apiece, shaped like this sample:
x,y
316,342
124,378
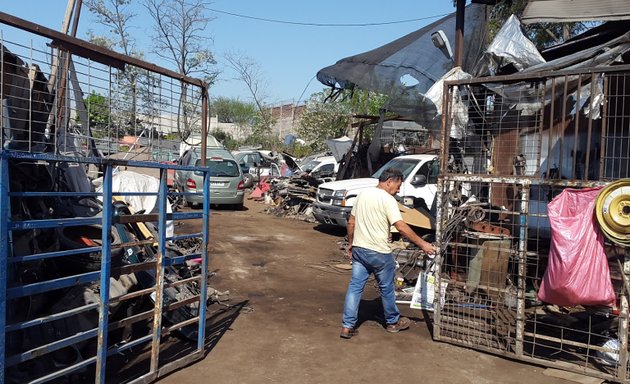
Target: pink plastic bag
x,y
578,272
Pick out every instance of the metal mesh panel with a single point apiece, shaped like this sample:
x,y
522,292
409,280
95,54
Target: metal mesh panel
x,y
57,103
89,287
519,143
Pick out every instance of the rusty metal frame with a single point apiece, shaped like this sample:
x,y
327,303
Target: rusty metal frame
x,y
526,330
93,51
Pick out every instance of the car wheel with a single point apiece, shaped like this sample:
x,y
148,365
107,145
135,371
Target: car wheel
x,y
238,207
248,180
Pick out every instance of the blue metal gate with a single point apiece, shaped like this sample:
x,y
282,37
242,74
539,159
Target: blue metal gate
x,y
91,291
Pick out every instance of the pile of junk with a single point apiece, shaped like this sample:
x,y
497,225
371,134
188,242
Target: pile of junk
x,y
291,196
293,191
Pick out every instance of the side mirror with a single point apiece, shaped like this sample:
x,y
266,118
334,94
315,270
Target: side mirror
x,y
419,181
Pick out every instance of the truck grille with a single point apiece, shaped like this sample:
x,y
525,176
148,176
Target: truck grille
x,y
324,195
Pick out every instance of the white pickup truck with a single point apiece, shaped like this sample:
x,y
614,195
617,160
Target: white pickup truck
x,y
335,199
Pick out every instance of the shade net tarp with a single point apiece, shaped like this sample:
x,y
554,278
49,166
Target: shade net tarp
x,y
384,69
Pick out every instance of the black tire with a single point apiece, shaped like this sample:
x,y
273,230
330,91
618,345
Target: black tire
x,y
80,237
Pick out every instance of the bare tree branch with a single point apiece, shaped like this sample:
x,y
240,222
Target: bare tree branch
x,y
179,39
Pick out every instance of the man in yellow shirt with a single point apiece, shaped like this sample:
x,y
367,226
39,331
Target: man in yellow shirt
x,y
373,213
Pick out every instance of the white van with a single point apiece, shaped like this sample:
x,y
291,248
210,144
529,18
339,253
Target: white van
x,y
335,199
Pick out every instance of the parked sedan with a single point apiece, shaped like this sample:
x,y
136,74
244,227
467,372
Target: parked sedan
x,y
226,180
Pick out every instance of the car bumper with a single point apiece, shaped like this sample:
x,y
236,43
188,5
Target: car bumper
x,y
331,214
219,200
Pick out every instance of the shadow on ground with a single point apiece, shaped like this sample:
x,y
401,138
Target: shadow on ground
x,y
176,347
372,310
331,230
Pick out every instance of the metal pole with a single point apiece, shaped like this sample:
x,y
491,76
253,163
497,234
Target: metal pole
x,y
159,275
204,125
203,298
75,19
4,254
623,322
459,32
441,217
52,78
106,257
522,270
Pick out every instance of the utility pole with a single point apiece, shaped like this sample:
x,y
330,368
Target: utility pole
x,y
459,32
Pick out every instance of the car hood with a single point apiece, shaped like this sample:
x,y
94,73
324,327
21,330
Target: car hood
x,y
350,184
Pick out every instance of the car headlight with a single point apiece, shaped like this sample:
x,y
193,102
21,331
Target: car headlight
x,y
339,198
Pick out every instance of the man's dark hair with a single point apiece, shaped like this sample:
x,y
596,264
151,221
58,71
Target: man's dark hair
x,y
390,173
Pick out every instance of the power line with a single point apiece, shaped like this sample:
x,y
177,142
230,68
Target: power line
x,y
325,24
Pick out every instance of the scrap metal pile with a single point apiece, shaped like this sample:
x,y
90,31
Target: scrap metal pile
x,y
291,196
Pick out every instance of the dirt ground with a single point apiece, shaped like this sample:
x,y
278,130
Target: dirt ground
x,y
285,320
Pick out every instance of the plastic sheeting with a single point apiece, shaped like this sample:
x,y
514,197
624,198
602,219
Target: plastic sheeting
x,y
578,272
604,46
339,147
458,110
128,181
511,46
599,46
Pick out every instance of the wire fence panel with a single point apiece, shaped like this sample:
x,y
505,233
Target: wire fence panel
x,y
95,277
511,146
55,102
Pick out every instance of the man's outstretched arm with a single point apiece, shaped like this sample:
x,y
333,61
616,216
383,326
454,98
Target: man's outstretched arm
x,y
406,231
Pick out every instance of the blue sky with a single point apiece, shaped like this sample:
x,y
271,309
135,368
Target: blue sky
x,y
289,55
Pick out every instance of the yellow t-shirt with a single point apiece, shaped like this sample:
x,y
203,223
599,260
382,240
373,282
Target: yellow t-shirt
x,y
375,211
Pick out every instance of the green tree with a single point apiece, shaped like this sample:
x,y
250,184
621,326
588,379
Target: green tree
x,y
326,118
265,140
323,120
233,111
98,110
224,137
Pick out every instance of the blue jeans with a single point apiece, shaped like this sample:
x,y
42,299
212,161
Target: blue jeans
x,y
364,263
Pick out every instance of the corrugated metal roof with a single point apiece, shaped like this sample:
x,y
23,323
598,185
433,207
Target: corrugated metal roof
x,y
559,11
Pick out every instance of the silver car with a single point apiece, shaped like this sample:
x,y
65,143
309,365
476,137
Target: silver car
x,y
226,179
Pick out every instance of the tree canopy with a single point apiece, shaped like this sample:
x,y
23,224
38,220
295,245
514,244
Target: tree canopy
x,y
234,111
325,119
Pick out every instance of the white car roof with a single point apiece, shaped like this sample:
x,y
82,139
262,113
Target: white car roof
x,y
326,159
422,157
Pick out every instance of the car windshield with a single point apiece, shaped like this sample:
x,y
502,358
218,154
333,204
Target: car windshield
x,y
403,165
221,167
310,165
